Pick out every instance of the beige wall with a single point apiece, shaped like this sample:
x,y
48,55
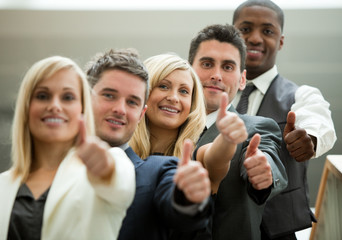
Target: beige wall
x,y
312,53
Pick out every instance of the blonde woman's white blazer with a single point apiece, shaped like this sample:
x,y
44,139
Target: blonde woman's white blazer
x,y
77,206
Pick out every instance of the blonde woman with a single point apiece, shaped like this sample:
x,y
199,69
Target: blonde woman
x,y
176,112
64,183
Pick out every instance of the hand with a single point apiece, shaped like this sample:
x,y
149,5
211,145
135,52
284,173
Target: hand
x,y
229,124
300,145
258,169
191,177
94,154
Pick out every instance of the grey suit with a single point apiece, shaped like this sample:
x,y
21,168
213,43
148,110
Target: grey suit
x,y
239,207
289,211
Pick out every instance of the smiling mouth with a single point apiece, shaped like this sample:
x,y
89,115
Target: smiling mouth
x,y
254,51
53,120
115,122
169,109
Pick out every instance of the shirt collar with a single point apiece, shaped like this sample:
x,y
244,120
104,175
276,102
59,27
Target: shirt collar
x,y
124,146
263,81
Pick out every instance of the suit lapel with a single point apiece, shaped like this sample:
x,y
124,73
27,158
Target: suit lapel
x,y
136,160
67,174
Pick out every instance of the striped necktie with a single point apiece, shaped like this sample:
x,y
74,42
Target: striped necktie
x,y
243,103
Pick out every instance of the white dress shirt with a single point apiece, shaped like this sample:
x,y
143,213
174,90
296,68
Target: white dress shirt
x,y
311,109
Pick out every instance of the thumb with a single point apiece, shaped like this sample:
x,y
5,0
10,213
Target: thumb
x,y
290,124
187,149
223,104
82,133
253,145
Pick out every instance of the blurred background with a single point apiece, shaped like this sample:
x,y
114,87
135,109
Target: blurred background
x,y
34,29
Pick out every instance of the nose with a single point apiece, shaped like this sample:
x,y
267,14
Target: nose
x,y
216,75
173,97
254,37
119,107
54,105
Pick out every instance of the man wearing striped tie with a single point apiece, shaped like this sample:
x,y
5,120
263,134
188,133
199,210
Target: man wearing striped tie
x,y
256,173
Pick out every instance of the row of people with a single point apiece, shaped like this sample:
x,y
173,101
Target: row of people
x,y
78,186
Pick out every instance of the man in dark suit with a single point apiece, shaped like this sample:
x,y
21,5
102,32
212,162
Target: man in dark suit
x,y
256,173
300,111
169,194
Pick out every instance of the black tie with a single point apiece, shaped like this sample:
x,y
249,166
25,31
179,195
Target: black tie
x,y
243,103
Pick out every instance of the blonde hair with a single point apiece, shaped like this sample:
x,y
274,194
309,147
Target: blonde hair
x,y
159,67
21,137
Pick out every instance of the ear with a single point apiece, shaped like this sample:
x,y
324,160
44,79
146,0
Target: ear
x,y
143,112
242,84
281,42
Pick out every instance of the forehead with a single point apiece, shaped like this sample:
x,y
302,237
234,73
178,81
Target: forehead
x,y
181,77
217,51
122,82
258,15
64,78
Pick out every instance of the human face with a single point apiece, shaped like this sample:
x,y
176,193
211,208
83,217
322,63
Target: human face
x,y
55,108
261,31
118,104
218,66
169,103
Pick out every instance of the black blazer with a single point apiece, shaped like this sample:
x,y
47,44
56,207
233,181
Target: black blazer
x,y
151,215
238,206
289,211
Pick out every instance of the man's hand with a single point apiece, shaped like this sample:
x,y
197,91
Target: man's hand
x,y
300,145
191,177
94,154
258,169
229,124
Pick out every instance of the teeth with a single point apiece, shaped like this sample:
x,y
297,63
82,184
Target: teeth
x,y
115,122
169,109
53,120
253,51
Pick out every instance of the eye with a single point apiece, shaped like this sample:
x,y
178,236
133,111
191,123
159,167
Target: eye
x,y
108,96
268,31
206,64
244,30
162,86
227,67
184,91
69,97
42,96
132,103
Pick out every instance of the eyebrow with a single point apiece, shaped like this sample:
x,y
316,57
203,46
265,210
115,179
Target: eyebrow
x,y
182,84
251,23
116,91
212,60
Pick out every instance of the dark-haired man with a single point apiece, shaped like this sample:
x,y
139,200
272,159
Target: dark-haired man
x,y
301,113
217,54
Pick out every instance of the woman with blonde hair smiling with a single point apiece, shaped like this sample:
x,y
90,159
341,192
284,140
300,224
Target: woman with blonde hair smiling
x,y
64,183
176,112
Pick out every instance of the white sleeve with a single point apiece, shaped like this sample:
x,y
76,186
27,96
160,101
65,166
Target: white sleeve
x,y
120,189
313,115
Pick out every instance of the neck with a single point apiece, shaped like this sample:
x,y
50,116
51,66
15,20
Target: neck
x,y
49,155
161,139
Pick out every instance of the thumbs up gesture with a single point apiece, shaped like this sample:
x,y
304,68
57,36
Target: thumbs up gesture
x,y
191,177
258,169
300,145
94,154
229,124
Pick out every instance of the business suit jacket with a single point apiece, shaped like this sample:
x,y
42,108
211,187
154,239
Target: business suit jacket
x,y
239,207
77,207
289,211
151,215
